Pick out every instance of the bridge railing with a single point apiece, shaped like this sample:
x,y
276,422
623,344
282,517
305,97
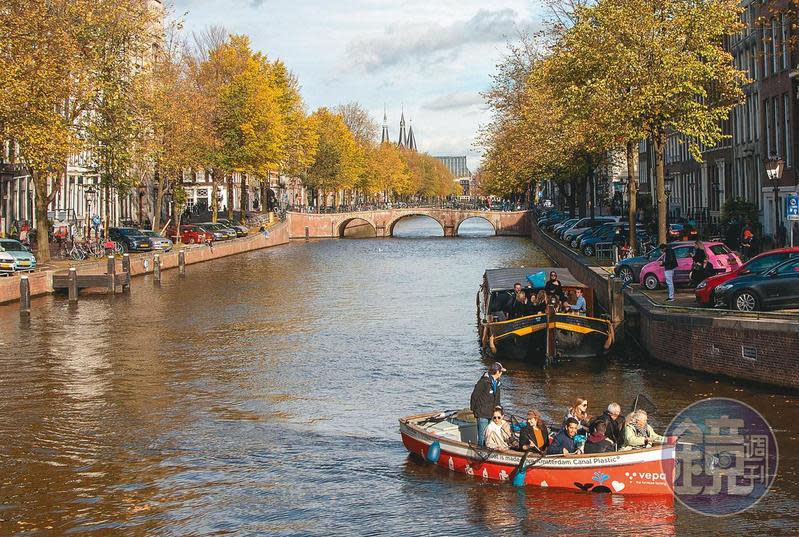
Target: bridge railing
x,y
393,206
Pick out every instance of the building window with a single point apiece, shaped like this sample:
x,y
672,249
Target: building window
x,y
786,114
785,40
775,46
775,108
767,133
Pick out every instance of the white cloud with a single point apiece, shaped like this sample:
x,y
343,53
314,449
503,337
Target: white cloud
x,y
464,99
405,43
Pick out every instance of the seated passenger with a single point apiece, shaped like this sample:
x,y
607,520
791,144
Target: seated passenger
x,y
563,442
579,307
614,424
498,434
534,435
522,306
579,412
597,442
553,286
540,304
638,433
564,306
508,309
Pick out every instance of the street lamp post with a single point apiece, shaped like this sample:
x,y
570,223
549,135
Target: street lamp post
x,y
88,195
667,188
142,191
774,166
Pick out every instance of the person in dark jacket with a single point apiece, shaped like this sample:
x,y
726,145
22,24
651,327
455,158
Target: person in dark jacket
x,y
534,435
699,268
486,397
614,424
669,264
554,287
563,443
597,442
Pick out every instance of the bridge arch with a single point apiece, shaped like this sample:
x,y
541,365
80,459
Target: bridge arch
x,y
357,222
475,217
391,225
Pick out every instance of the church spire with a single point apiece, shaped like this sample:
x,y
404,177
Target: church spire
x,y
411,140
384,138
402,139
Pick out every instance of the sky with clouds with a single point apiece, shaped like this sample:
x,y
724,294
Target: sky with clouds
x,y
433,57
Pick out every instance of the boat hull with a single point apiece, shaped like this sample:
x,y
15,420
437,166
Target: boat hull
x,y
525,339
640,472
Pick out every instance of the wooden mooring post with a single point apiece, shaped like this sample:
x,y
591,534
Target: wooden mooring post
x,y
73,285
157,268
551,347
111,273
126,263
307,233
182,263
24,297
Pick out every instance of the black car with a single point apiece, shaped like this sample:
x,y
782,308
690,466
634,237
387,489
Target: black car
x,y
241,231
131,239
777,288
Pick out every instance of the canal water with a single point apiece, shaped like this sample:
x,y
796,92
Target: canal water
x,y
260,394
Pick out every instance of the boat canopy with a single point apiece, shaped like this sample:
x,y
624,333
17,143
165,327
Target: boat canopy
x,y
502,279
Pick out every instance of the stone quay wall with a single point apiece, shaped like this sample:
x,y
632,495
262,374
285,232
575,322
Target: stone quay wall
x,y
762,348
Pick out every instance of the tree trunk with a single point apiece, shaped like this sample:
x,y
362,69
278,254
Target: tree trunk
x,y
592,193
659,145
245,199
159,201
230,197
215,173
107,203
42,229
632,193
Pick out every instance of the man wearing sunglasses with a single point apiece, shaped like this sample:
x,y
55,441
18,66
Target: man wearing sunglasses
x,y
485,398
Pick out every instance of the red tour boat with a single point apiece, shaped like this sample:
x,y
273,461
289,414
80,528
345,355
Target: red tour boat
x,y
452,443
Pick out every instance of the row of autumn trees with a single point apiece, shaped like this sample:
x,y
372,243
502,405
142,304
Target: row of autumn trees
x,y
109,81
603,76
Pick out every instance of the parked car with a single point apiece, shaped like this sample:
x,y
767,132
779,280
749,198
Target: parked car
x,y
756,265
130,238
775,288
221,233
615,235
24,260
7,263
241,231
585,224
721,258
629,270
194,234
679,232
158,241
556,229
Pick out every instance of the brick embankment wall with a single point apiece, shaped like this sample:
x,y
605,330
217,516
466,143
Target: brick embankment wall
x,y
764,350
761,349
42,282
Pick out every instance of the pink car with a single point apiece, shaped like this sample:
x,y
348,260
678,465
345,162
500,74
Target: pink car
x,y
720,257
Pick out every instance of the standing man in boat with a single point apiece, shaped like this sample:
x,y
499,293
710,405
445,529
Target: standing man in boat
x,y
486,397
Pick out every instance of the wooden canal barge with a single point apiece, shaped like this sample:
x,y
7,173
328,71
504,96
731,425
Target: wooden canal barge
x,y
543,336
452,443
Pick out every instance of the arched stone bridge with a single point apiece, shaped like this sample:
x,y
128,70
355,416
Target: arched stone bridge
x,y
332,225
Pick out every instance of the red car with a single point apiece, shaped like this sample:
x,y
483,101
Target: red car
x,y
756,265
194,234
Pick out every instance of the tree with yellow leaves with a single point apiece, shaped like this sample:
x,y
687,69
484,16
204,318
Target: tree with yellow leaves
x,y
339,159
57,59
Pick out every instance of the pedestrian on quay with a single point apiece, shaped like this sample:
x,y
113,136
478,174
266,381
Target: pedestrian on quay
x,y
669,264
699,268
746,242
486,396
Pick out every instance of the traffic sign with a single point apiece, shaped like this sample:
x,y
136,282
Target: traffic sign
x,y
792,207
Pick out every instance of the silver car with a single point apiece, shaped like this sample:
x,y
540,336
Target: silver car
x,y
158,241
24,260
